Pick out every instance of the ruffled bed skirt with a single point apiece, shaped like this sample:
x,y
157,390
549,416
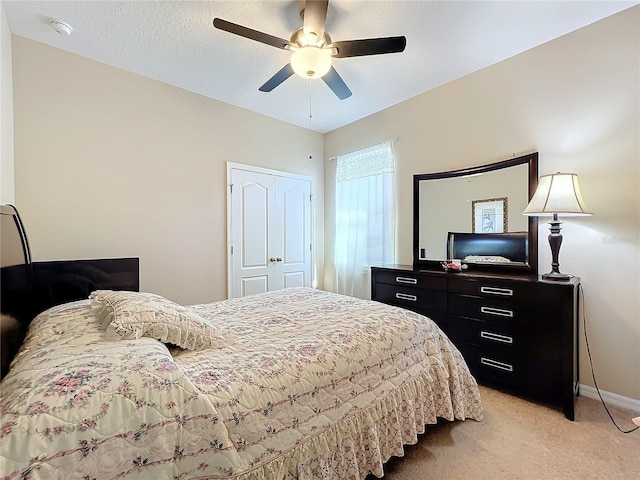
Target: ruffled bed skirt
x,y
361,444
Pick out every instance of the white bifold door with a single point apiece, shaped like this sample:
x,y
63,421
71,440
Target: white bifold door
x,y
269,222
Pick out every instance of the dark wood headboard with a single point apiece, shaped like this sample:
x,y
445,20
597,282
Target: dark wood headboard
x,y
509,245
56,282
64,281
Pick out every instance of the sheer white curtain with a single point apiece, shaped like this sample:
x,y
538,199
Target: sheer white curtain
x,y
365,216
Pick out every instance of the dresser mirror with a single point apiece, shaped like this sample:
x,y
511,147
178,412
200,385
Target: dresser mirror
x,y
485,201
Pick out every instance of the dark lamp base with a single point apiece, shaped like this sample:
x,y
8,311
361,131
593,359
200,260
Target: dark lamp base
x,y
556,277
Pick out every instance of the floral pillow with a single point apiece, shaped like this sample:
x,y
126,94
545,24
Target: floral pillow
x,y
127,315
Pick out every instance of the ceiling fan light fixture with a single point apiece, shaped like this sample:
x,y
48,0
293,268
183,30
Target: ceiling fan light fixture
x,y
311,61
312,48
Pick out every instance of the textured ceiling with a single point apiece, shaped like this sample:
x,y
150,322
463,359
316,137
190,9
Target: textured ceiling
x,y
174,42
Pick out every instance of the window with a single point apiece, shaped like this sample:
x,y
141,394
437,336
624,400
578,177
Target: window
x,y
365,216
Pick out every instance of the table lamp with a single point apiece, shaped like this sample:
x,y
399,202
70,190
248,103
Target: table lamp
x,y
557,193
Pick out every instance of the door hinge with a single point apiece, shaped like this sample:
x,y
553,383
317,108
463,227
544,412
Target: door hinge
x,y
231,187
231,250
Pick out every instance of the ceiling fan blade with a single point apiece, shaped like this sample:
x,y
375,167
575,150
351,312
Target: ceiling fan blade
x,y
369,46
335,83
250,33
315,17
284,73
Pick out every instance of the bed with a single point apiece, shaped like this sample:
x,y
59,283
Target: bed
x,y
292,384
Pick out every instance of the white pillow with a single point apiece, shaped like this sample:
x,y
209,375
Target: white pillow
x,y
127,315
486,259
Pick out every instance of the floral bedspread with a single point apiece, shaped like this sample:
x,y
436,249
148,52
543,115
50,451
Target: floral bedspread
x,y
309,385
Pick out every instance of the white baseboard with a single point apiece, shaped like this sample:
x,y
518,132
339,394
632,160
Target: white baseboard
x,y
611,398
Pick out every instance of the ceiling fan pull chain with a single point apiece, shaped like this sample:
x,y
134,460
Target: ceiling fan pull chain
x,y
310,117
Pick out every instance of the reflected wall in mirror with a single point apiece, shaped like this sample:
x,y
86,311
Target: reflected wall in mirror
x,y
444,202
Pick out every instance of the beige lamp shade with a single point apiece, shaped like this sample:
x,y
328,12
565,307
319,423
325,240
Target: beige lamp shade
x,y
557,193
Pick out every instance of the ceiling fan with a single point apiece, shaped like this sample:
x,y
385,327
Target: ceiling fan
x,y
312,48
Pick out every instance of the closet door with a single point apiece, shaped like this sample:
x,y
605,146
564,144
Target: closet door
x,y
293,235
252,215
269,218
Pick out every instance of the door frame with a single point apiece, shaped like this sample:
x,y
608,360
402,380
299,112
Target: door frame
x,y
268,171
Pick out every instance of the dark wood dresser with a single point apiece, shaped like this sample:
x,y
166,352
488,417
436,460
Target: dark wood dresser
x,y
516,332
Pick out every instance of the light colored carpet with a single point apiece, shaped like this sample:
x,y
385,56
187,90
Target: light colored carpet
x,y
522,440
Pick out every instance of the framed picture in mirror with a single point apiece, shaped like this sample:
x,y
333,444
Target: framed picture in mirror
x,y
489,216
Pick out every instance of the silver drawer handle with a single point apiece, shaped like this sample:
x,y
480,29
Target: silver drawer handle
x,y
507,292
501,312
496,336
406,296
496,364
412,281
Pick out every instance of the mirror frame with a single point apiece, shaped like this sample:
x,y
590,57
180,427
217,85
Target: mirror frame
x,y
531,266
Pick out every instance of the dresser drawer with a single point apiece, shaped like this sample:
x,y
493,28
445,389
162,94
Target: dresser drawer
x,y
411,279
490,335
494,365
505,290
488,308
411,298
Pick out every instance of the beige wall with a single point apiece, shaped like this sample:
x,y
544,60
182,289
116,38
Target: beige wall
x,y
111,164
576,101
6,113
